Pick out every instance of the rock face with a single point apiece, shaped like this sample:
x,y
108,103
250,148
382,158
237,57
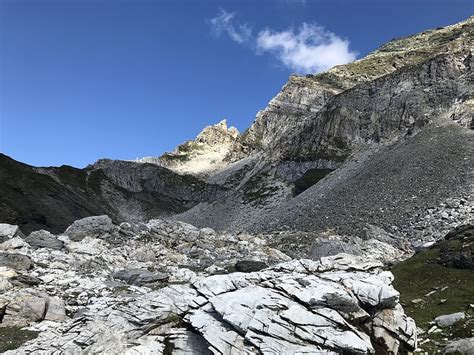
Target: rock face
x,y
156,304
139,277
204,155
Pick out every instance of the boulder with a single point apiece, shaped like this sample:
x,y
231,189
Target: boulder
x,y
95,226
55,309
460,347
457,250
16,261
26,280
13,243
8,231
331,246
44,239
32,306
139,277
448,320
250,265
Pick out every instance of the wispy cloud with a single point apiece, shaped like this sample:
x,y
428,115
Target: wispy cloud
x,y
308,49
225,23
296,2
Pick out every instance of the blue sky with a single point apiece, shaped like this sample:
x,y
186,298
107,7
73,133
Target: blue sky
x,y
86,79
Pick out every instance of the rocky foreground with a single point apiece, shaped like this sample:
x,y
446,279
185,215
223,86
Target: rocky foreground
x,y
168,287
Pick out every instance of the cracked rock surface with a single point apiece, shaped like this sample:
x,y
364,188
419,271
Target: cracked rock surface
x,y
170,287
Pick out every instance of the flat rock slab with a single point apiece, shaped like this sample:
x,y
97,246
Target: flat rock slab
x,y
139,277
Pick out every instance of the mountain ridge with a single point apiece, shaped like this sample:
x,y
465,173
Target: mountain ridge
x,y
313,127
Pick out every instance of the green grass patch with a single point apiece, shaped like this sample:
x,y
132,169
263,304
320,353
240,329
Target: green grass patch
x,y
421,274
12,338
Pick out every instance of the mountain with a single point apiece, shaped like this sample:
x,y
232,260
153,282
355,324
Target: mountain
x,y
341,221
378,141
374,142
52,198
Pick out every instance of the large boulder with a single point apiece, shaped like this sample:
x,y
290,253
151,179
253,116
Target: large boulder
x,y
44,239
331,246
16,261
95,226
448,320
460,347
28,306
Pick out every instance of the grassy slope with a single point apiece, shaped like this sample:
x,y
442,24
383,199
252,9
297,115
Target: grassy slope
x,y
421,274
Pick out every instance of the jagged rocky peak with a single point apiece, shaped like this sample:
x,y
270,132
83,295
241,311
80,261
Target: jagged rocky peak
x,y
217,134
204,155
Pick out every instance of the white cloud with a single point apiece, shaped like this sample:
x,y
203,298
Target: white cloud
x,y
224,22
311,49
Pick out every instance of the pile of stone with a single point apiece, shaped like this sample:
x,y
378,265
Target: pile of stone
x,y
433,223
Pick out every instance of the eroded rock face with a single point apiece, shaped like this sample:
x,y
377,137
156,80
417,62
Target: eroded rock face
x,y
204,155
142,297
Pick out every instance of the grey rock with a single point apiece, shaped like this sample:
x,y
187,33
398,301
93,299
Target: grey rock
x,y
326,247
139,277
16,261
448,320
32,306
55,309
25,279
44,239
457,250
250,265
95,227
9,231
460,347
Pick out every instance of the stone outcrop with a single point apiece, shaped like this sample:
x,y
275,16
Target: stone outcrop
x,y
204,155
142,296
